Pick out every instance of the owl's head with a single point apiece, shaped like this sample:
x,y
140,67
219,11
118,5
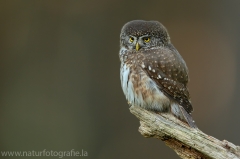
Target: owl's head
x,y
140,34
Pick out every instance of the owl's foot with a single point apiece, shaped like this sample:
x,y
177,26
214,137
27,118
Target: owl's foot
x,y
130,104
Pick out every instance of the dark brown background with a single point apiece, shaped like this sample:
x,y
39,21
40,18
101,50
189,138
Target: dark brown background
x,y
59,66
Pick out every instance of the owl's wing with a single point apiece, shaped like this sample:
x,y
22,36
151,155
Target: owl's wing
x,y
167,68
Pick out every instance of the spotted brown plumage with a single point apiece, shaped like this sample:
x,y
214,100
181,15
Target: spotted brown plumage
x,y
171,75
153,74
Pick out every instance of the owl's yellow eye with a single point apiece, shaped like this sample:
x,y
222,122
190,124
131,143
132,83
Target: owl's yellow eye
x,y
146,40
131,39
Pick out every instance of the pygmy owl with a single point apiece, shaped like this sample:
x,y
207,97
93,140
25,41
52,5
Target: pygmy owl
x,y
153,74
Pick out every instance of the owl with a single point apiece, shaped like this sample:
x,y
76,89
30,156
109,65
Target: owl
x,y
153,74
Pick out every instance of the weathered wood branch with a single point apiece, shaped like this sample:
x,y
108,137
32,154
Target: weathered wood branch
x,y
187,142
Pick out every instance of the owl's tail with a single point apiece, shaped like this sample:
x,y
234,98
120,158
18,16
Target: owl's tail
x,y
188,117
182,114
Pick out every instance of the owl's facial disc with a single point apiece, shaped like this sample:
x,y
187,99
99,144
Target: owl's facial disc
x,y
138,42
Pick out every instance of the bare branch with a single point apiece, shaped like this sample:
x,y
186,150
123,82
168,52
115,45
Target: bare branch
x,y
187,142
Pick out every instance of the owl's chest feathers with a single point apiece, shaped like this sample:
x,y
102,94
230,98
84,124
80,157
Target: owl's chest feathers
x,y
140,89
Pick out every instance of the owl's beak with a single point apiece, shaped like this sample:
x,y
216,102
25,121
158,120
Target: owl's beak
x,y
137,46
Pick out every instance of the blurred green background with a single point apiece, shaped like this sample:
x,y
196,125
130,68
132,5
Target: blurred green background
x,y
60,85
